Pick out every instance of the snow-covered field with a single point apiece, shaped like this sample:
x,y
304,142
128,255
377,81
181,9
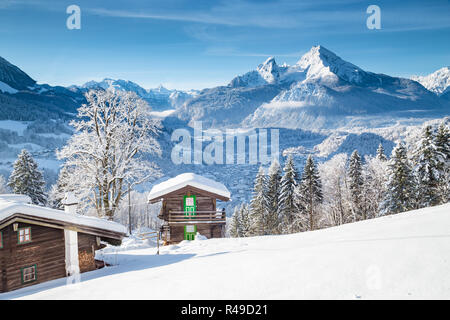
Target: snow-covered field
x,y
404,256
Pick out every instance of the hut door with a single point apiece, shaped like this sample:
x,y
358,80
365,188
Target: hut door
x,y
189,232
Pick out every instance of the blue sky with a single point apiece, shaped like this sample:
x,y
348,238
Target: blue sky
x,y
203,43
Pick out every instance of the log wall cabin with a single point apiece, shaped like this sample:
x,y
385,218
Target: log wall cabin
x,y
39,244
189,206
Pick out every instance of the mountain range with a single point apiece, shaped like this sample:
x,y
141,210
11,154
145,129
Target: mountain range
x,y
320,91
158,98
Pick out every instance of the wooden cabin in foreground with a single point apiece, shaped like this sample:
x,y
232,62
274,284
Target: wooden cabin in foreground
x,y
189,207
39,244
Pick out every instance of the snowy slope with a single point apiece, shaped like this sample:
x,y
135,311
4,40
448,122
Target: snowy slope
x,y
438,81
404,256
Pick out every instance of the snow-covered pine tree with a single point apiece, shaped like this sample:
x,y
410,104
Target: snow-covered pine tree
x,y
426,168
234,229
27,179
3,186
59,189
259,205
309,195
442,142
400,191
287,206
245,220
380,153
356,184
273,193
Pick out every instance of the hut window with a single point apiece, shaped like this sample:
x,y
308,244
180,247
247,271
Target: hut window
x,y
28,274
1,240
24,235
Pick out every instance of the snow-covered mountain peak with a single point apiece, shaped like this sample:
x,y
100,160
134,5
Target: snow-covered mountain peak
x,y
269,70
266,73
321,63
438,81
161,90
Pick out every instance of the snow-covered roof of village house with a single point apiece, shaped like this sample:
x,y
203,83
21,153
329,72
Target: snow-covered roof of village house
x,y
188,179
10,206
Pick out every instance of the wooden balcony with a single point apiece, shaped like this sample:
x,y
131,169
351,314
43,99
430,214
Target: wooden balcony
x,y
197,217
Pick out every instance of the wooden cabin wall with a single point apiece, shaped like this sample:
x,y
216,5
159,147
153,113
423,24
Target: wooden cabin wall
x,y
87,245
174,202
2,263
208,230
46,251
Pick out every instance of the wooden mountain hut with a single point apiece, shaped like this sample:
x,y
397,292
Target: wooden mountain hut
x,y
39,244
189,206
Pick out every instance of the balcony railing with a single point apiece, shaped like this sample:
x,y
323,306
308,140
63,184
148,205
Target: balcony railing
x,y
197,217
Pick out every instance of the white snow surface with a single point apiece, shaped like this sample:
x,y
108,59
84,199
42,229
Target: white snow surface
x,y
188,179
10,206
403,256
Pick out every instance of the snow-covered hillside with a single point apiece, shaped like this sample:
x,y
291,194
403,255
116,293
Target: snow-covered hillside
x,y
404,256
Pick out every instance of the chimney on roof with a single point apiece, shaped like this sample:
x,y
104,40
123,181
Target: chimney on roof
x,y
70,203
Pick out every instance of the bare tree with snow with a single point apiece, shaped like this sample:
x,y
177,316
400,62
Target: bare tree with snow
x,y
333,174
114,133
375,178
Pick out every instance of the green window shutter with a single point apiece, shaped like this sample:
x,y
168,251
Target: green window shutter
x,y
189,205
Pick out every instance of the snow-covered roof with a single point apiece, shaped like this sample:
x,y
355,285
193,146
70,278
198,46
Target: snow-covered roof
x,y
188,179
15,197
9,207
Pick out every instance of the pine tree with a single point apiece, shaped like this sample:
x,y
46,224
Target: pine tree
x,y
245,220
59,189
259,205
273,194
235,224
356,184
287,206
380,153
426,168
27,179
3,186
309,194
442,142
400,183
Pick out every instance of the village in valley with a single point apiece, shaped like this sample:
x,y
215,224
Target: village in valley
x,y
310,180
